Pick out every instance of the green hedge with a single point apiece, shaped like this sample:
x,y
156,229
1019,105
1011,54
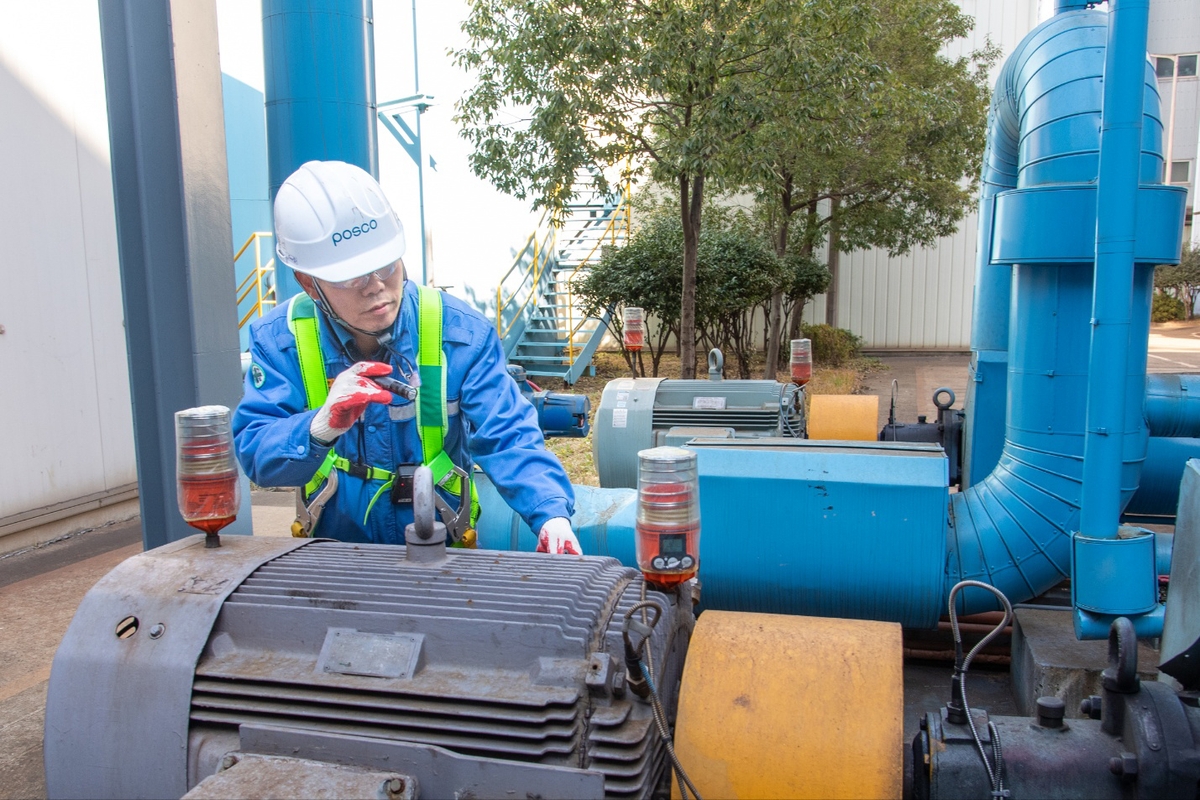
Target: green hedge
x,y
1166,308
831,346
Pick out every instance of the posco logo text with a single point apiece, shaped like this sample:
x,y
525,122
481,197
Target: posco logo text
x,y
357,230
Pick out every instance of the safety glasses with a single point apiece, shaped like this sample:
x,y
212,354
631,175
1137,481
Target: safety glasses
x,y
362,280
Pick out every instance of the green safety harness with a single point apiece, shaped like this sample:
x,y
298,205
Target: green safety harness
x,y
430,402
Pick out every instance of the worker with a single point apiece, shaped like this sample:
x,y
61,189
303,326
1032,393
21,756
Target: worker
x,y
315,415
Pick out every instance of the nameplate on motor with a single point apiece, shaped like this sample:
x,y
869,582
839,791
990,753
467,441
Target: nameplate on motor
x,y
347,651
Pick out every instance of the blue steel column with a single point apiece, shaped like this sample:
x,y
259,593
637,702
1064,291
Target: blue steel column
x,y
162,77
319,64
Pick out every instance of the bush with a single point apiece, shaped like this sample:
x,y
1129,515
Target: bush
x,y
1165,309
831,346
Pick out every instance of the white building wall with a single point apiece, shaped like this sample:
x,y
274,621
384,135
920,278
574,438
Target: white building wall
x,y
68,433
922,300
1175,31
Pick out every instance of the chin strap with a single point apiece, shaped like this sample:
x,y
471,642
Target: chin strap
x,y
383,337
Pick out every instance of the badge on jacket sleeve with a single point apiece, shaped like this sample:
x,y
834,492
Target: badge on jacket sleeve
x,y
256,375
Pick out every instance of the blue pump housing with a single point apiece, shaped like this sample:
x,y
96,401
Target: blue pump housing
x,y
559,414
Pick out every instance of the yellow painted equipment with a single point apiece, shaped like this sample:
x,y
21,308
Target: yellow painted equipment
x,y
792,707
846,417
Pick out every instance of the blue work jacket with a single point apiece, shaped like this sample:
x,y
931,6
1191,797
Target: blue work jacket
x,y
489,423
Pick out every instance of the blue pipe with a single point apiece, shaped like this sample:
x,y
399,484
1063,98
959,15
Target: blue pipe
x,y
1109,437
319,59
1158,492
1013,529
1173,405
987,385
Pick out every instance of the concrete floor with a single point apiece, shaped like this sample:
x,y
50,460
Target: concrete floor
x,y
40,589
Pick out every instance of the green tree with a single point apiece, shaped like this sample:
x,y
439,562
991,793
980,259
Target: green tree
x,y
892,165
1182,280
673,87
646,273
737,271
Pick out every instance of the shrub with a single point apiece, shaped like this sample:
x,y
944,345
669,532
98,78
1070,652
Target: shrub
x,y
1165,308
831,346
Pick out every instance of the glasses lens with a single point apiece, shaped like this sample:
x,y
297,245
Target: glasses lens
x,y
362,280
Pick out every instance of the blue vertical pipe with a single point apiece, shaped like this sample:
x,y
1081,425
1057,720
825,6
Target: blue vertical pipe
x,y
1106,436
319,59
987,388
1113,570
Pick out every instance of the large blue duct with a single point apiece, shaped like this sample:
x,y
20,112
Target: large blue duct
x,y
319,58
1173,416
1014,528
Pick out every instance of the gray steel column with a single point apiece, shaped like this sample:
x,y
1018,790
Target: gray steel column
x,y
166,128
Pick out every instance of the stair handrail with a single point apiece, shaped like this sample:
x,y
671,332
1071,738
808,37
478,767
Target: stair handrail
x,y
619,216
264,299
541,253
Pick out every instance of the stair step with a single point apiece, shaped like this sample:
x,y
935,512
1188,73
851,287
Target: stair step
x,y
540,359
560,343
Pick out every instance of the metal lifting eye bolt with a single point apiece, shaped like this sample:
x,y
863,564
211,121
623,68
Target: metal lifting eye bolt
x,y
423,510
425,538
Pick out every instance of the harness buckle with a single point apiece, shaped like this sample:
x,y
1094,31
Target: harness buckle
x,y
402,484
358,470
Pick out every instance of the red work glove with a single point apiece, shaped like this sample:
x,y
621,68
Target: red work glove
x,y
557,537
348,398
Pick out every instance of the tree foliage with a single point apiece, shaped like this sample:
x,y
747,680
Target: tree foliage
x,y
646,273
1182,280
675,87
892,165
737,271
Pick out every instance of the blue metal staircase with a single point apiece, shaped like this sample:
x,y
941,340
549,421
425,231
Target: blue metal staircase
x,y
539,318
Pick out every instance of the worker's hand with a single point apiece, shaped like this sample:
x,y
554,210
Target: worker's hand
x,y
557,537
348,398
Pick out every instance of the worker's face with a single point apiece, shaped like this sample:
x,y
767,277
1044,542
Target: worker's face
x,y
372,306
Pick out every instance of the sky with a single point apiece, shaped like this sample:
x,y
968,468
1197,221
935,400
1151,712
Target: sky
x,y
474,228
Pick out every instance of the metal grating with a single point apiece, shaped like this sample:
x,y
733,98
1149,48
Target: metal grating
x,y
507,683
739,418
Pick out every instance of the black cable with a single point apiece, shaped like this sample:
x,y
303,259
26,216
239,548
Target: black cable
x,y
656,708
961,665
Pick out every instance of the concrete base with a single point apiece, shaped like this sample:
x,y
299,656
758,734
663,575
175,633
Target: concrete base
x,y
38,535
1048,661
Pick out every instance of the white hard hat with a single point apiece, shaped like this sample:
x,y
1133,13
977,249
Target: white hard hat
x,y
333,222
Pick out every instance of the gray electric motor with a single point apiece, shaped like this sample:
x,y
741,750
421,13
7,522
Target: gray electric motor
x,y
291,664
639,413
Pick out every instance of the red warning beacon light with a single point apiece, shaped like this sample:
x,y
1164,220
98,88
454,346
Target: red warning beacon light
x,y
206,471
801,362
633,327
668,516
